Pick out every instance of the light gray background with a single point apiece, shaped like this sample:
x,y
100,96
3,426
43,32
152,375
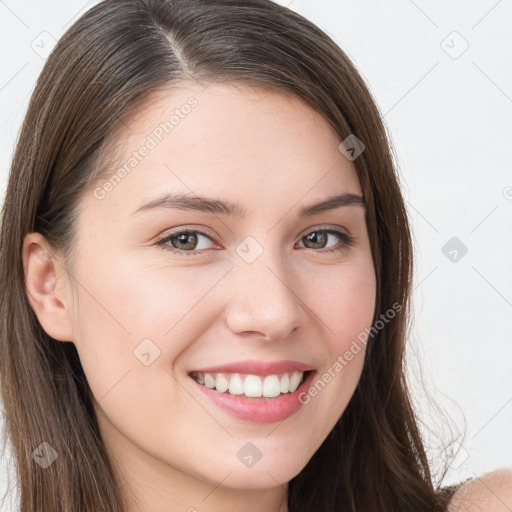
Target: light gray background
x,y
449,114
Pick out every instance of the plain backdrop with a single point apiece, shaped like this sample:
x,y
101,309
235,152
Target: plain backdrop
x,y
441,75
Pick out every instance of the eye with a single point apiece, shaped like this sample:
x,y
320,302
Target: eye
x,y
183,240
320,237
186,241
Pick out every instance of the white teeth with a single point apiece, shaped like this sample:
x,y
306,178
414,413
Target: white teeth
x,y
295,381
271,386
252,386
209,381
221,383
285,383
236,385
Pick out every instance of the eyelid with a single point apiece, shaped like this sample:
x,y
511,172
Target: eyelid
x,y
326,227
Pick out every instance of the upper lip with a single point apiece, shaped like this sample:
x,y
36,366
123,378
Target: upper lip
x,y
258,367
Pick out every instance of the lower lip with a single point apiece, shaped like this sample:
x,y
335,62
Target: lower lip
x,y
260,409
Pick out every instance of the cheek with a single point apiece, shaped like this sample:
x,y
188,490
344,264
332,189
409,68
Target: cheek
x,y
139,299
345,302
122,306
345,305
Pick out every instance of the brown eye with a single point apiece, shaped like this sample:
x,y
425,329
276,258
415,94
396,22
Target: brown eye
x,y
319,238
184,241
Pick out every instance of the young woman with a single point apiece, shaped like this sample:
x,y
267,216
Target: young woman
x,y
206,269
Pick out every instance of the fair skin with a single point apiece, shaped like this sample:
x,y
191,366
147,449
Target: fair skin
x,y
491,492
273,155
175,450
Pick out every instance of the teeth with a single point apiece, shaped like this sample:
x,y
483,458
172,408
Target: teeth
x,y
285,383
271,386
236,385
221,383
295,381
251,386
209,381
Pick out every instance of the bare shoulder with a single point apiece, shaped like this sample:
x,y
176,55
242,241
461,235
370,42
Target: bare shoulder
x,y
491,492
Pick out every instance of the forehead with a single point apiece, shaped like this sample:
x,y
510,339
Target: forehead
x,y
232,141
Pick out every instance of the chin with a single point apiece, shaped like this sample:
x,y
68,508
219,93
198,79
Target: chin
x,y
261,475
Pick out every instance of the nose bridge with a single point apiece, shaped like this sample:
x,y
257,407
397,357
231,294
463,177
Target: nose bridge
x,y
264,300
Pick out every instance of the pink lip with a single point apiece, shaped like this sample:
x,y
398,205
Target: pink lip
x,y
259,367
258,410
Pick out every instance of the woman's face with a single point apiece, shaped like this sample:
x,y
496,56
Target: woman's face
x,y
263,284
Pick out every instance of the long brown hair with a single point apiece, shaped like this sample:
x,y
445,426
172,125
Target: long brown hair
x,y
101,70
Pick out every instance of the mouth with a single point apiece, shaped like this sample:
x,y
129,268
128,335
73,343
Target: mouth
x,y
255,398
251,385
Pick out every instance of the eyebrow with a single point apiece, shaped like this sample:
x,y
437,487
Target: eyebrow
x,y
182,201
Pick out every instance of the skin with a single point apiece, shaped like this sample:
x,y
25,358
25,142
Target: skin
x,y
491,492
272,154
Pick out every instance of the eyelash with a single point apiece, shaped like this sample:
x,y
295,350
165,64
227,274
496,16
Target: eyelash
x,y
347,241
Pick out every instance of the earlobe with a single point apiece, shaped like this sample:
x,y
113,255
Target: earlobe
x,y
47,288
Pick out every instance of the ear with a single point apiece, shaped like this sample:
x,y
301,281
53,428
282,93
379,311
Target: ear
x,y
47,287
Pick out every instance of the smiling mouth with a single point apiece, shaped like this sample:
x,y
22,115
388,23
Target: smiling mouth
x,y
251,385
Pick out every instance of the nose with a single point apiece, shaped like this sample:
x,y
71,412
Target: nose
x,y
264,303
